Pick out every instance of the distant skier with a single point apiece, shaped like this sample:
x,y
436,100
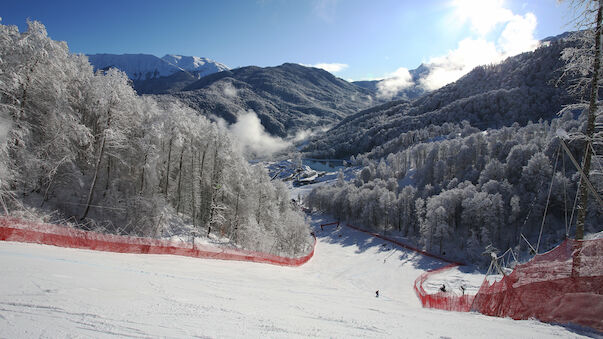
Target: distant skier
x,y
463,289
377,294
443,288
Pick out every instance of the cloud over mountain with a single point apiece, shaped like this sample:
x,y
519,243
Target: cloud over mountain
x,y
498,33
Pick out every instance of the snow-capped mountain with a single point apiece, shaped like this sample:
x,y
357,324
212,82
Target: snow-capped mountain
x,y
136,66
146,67
196,65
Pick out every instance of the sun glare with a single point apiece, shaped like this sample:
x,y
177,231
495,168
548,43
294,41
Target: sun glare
x,y
483,15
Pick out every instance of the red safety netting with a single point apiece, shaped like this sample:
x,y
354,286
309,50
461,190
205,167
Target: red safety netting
x,y
12,229
336,223
564,285
442,300
403,245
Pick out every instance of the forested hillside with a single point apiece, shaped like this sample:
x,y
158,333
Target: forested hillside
x,y
460,195
477,164
522,88
287,99
84,147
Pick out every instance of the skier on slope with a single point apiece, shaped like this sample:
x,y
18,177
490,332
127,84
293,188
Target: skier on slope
x,y
377,294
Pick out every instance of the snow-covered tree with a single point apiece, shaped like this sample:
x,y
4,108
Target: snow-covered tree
x,y
86,146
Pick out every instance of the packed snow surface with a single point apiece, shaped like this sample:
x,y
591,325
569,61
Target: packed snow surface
x,y
60,292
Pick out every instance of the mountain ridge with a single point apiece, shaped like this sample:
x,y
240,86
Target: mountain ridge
x,y
151,74
287,98
517,90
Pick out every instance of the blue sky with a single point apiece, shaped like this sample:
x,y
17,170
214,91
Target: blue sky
x,y
354,39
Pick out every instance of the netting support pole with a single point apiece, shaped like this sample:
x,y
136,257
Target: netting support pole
x,y
526,240
583,175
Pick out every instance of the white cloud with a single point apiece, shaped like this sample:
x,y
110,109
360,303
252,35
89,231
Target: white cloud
x,y
329,67
303,135
517,36
228,90
253,138
483,15
450,67
394,83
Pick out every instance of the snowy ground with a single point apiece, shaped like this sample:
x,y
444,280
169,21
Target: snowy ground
x,y
314,171
58,292
453,279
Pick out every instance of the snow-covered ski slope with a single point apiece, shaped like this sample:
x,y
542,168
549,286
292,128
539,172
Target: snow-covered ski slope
x,y
57,292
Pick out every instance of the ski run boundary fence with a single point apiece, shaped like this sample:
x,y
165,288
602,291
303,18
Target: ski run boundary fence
x,y
13,229
564,285
440,300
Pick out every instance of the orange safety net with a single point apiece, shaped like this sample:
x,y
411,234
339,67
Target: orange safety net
x,y
336,223
442,300
403,245
12,229
564,285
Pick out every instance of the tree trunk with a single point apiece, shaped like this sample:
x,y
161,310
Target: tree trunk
x,y
97,167
590,128
259,210
193,203
167,175
47,191
214,186
146,155
442,237
25,87
235,225
108,176
201,199
179,180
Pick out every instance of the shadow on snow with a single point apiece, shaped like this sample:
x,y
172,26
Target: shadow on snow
x,y
346,237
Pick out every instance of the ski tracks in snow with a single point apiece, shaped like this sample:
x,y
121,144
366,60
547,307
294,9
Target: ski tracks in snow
x,y
60,292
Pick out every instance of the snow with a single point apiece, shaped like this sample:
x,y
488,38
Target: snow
x,y
136,66
561,133
146,66
202,65
453,279
59,292
409,179
312,174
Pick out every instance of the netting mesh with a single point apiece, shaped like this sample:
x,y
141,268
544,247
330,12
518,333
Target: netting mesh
x,y
564,285
442,300
13,229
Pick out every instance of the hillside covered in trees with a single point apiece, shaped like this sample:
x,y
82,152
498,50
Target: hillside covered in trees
x,y
287,99
520,89
84,147
475,165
